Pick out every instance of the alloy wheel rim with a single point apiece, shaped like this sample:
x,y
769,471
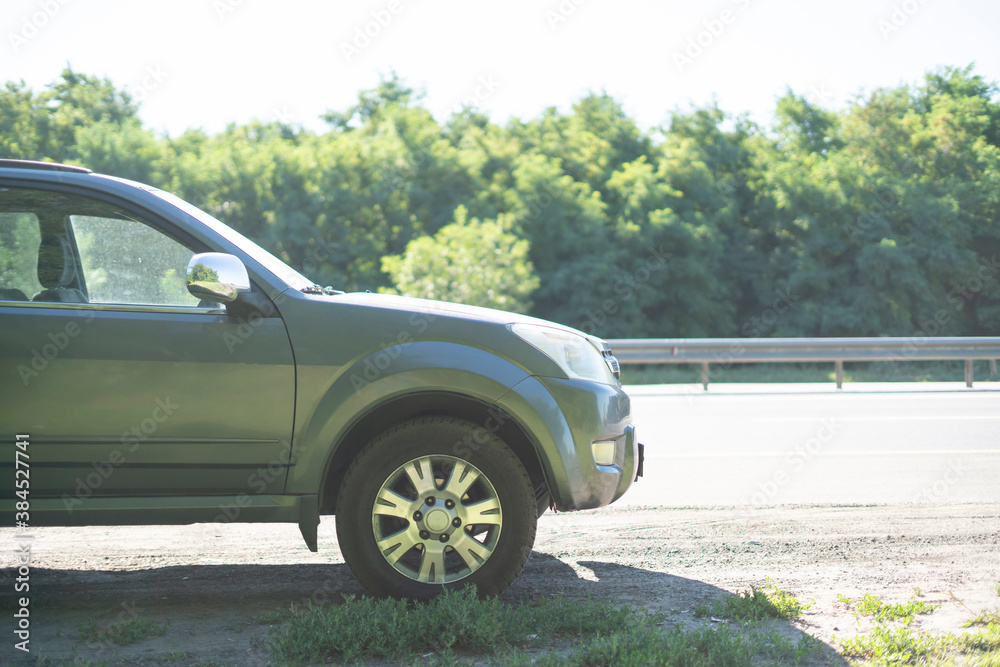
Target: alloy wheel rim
x,y
436,519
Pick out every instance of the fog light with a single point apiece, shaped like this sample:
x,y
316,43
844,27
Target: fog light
x,y
604,452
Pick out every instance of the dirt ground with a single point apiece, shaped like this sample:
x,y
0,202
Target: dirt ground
x,y
212,582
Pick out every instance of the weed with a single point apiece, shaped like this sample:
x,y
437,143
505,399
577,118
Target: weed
x,y
75,661
894,646
984,640
871,605
897,644
123,632
393,629
274,616
781,649
649,646
900,646
985,617
459,623
756,604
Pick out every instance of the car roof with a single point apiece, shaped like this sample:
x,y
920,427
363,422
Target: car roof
x,y
43,166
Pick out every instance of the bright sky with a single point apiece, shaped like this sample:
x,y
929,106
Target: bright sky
x,y
206,63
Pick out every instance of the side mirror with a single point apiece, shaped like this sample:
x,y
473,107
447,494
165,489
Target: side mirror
x,y
216,276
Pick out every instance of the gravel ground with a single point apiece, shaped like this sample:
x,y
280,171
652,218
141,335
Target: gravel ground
x,y
210,582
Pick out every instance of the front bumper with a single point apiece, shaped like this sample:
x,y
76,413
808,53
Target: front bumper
x,y
563,418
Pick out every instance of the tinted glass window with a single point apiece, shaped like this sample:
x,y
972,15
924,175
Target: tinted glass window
x,y
59,247
129,262
19,241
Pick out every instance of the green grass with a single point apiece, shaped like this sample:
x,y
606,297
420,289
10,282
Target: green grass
x,y
457,625
644,645
274,616
70,662
755,605
885,645
123,632
707,646
986,639
986,617
881,371
871,606
392,629
892,642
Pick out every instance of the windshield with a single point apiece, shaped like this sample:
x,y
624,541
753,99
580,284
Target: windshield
x,y
261,256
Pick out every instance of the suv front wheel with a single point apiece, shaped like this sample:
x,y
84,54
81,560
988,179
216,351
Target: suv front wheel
x,y
436,503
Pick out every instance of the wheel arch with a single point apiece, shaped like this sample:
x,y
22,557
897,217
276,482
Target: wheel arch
x,y
445,404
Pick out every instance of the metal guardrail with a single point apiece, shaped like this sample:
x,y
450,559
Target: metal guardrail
x,y
727,351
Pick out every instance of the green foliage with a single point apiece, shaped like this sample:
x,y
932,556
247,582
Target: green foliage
x,y
19,241
985,640
201,273
882,218
394,629
894,646
647,646
468,261
892,642
898,645
705,647
125,631
49,124
985,617
755,605
870,605
596,632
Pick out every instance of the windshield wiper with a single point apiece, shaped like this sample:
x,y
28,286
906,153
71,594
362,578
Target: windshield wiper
x,y
317,289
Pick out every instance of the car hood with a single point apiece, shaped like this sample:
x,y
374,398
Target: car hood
x,y
442,308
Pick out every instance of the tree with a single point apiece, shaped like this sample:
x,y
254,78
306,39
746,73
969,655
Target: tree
x,y
20,119
882,218
475,262
390,94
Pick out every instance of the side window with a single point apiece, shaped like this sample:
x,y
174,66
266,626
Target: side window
x,y
19,241
66,248
126,261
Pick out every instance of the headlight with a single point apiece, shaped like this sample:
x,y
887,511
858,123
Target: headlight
x,y
574,354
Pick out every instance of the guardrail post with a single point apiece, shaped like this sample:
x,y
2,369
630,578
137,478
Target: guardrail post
x,y
704,375
993,366
968,372
838,367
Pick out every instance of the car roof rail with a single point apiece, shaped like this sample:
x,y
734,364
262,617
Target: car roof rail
x,y
46,166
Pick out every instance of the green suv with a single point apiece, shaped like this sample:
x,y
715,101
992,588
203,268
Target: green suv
x,y
156,367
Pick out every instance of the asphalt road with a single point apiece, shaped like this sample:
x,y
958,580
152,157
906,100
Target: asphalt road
x,y
776,444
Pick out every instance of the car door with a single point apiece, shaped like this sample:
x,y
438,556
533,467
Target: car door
x,y
125,383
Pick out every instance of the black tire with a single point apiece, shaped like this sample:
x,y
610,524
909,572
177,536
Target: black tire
x,y
450,504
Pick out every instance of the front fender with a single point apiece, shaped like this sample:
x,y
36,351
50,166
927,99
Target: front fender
x,y
382,376
563,417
